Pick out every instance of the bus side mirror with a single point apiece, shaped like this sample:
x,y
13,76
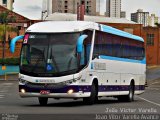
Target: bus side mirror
x,y
80,43
13,42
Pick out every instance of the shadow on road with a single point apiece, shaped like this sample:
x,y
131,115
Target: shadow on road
x,y
78,103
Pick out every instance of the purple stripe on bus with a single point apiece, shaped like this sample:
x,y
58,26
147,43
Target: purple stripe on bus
x,y
85,88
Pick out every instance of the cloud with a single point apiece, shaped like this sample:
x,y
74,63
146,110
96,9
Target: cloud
x,y
28,8
34,7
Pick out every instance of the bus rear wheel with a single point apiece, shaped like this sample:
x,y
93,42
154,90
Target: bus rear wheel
x,y
43,101
93,97
130,96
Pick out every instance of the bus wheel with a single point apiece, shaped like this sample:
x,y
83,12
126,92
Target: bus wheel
x,y
43,101
93,97
130,96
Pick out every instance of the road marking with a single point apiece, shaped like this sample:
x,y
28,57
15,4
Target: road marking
x,y
1,96
154,83
152,88
148,101
7,84
3,91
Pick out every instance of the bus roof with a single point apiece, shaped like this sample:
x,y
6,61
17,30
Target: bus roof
x,y
76,26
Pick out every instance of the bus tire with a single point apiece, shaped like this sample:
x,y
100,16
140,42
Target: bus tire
x,y
43,101
130,96
93,97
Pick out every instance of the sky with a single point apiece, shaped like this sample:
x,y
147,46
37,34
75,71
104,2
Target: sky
x,y
32,8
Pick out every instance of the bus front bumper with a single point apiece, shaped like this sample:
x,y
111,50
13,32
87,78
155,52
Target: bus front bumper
x,y
72,91
55,95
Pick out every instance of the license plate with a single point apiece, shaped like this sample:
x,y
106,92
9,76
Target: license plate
x,y
44,92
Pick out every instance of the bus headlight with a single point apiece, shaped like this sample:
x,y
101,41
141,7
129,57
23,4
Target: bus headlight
x,y
23,91
22,81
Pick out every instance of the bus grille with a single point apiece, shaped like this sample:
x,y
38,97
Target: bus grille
x,y
46,86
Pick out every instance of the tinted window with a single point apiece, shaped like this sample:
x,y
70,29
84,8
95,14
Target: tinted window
x,y
112,45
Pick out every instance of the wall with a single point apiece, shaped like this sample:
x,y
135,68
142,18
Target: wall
x,y
136,28
152,51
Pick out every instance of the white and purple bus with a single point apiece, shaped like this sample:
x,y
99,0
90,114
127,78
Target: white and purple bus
x,y
77,59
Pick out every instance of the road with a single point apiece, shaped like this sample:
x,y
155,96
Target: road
x,y
12,106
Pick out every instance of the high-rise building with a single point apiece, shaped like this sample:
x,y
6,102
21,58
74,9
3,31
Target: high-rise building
x,y
7,4
123,14
113,8
92,7
152,20
140,17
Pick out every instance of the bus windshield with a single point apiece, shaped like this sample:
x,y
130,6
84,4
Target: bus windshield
x,y
49,54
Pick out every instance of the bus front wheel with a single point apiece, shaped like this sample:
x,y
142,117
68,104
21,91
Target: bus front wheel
x,y
43,101
93,97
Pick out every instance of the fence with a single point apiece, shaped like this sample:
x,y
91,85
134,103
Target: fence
x,y
9,76
10,73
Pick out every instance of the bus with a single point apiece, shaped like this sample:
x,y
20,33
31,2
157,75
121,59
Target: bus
x,y
80,59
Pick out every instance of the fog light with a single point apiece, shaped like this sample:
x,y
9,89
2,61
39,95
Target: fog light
x,y
23,91
70,91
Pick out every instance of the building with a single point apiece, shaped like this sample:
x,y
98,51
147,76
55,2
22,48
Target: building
x,y
119,23
140,17
113,8
151,36
152,20
7,4
70,6
123,14
73,17
21,25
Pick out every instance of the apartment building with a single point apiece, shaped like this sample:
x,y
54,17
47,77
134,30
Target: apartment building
x,y
113,8
70,6
7,4
140,17
153,19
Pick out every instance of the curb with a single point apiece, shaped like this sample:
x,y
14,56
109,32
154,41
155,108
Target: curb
x,y
153,66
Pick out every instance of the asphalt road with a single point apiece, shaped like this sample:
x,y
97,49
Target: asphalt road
x,y
14,107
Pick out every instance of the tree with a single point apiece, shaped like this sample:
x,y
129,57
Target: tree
x,y
5,18
157,24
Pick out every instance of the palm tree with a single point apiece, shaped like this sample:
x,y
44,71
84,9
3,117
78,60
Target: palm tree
x,y
5,18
